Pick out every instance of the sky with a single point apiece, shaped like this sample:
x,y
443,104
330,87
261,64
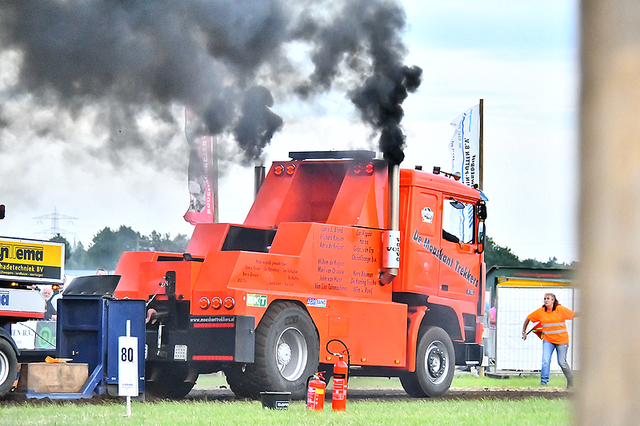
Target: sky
x,y
520,57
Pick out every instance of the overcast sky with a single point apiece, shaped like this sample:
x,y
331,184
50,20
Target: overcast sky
x,y
520,57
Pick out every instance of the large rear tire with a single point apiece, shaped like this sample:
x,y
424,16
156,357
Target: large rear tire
x,y
8,367
286,354
435,365
170,380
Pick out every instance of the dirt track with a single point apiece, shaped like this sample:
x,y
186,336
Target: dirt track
x,y
400,395
353,395
465,394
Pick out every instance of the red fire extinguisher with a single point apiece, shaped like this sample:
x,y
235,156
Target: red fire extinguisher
x,y
340,372
340,377
316,392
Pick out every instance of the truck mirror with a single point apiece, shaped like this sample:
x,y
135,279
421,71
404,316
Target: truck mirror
x,y
1,211
482,210
482,233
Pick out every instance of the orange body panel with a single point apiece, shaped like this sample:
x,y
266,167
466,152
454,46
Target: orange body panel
x,y
207,237
335,267
142,275
415,318
325,192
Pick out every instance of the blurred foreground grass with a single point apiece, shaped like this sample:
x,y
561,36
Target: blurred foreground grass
x,y
531,411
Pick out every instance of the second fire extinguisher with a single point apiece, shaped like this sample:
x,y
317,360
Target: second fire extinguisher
x,y
339,397
340,378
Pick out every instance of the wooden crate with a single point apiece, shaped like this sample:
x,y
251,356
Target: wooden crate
x,y
43,377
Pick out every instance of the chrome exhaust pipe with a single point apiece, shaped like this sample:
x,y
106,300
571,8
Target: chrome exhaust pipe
x,y
391,237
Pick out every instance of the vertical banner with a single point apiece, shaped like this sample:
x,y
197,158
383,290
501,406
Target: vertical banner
x,y
465,146
201,169
465,160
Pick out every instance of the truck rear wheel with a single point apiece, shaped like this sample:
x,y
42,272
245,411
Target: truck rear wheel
x,y
435,364
286,354
170,379
8,367
411,385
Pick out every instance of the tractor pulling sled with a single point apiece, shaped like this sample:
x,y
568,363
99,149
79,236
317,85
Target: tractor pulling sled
x,y
337,245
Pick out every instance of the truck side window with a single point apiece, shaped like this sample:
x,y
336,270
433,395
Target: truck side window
x,y
458,220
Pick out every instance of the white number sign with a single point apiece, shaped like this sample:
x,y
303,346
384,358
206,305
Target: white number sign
x,y
127,366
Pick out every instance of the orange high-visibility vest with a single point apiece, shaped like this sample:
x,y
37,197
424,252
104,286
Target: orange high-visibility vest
x,y
554,328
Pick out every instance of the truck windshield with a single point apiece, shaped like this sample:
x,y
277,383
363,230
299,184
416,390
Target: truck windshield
x,y
457,219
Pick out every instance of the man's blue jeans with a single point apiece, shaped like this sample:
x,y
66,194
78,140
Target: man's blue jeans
x,y
547,351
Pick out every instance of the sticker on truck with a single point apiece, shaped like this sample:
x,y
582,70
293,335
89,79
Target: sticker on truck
x,y
257,300
317,303
427,215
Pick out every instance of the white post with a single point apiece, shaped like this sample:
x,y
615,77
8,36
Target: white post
x,y
128,326
128,334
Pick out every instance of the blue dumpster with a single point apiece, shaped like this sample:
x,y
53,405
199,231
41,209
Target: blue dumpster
x,y
89,325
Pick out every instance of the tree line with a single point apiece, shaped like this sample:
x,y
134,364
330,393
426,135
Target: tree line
x,y
496,255
108,245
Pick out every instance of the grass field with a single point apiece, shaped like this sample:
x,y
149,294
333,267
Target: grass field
x,y
530,411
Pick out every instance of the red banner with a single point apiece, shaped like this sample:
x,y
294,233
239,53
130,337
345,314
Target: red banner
x,y
201,199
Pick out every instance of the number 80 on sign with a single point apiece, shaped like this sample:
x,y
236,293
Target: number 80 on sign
x,y
127,366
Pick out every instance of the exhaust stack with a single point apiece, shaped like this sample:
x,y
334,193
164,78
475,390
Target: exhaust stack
x,y
391,237
258,178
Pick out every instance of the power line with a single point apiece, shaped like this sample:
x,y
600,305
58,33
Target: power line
x,y
55,218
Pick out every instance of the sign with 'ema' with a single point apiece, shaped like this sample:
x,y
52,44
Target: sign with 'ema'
x,y
31,260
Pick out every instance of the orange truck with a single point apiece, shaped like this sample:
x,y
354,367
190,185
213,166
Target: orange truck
x,y
338,245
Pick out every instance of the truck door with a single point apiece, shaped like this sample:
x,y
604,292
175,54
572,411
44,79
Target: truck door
x,y
423,228
461,268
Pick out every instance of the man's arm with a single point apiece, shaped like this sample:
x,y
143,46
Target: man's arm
x,y
524,328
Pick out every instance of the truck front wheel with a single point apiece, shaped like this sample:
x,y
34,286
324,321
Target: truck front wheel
x,y
8,367
435,363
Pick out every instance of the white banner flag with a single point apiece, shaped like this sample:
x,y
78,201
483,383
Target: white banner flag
x,y
465,146
465,157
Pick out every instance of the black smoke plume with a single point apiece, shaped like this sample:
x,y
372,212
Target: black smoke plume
x,y
228,61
